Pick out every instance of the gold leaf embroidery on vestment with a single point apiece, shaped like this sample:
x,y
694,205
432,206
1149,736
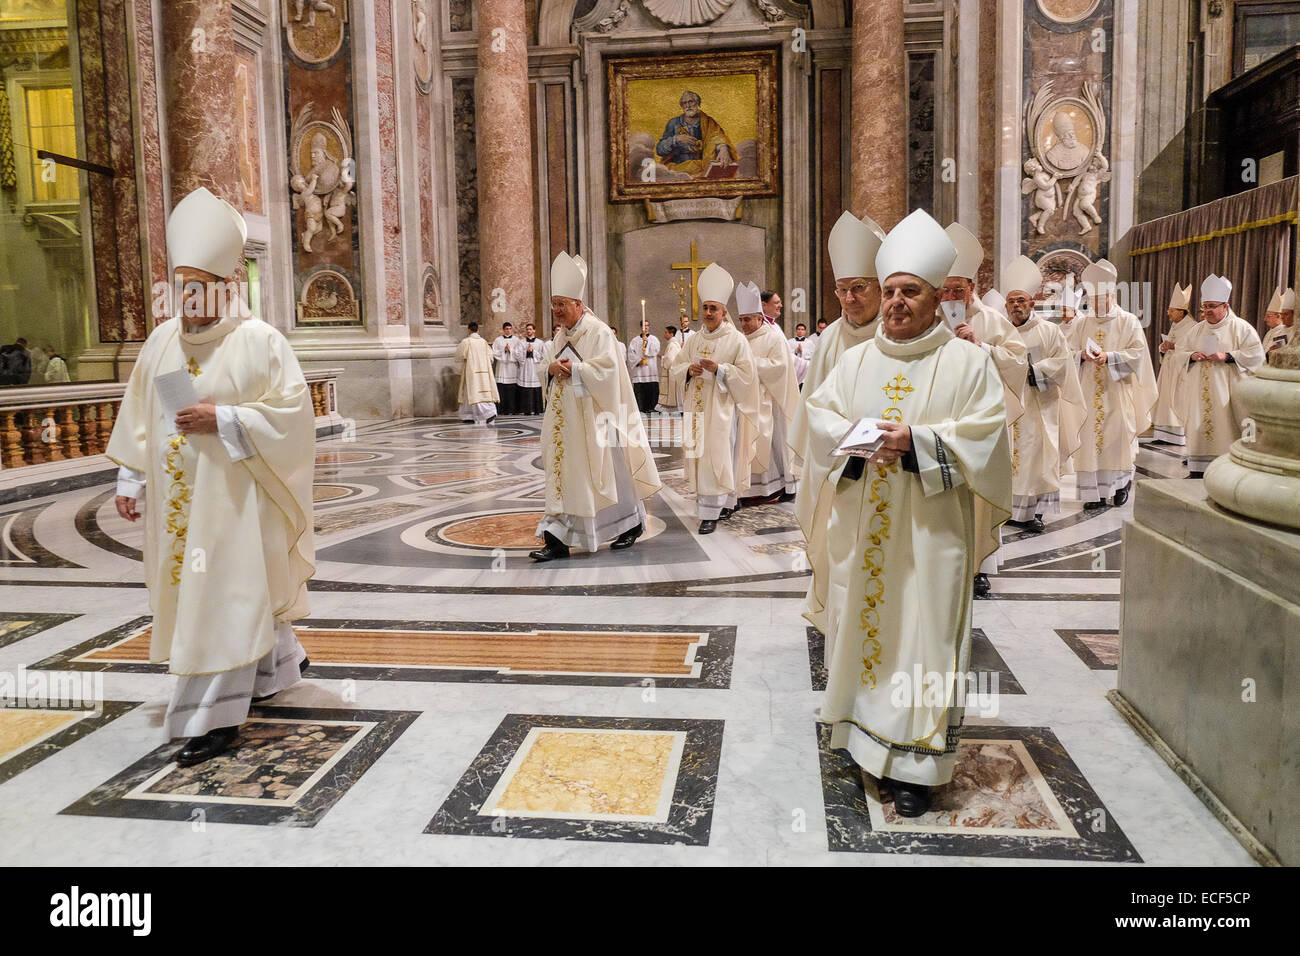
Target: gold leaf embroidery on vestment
x,y
1098,399
1207,403
1015,447
193,367
178,499
557,437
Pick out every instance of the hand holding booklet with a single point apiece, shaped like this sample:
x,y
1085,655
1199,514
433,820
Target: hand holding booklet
x,y
175,393
863,440
570,353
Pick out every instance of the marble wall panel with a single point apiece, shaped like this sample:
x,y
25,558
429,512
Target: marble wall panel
x,y
150,140
466,159
390,228
830,181
248,116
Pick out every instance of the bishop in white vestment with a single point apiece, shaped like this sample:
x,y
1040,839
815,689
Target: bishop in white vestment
x,y
228,545
1220,351
905,532
1119,391
668,400
1279,318
1166,421
478,395
773,471
851,247
598,465
714,373
1037,441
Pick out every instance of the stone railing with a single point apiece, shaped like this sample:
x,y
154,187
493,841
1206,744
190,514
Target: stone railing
x,y
59,422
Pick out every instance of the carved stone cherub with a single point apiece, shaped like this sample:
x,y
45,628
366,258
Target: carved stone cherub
x,y
322,6
1088,185
1046,190
306,196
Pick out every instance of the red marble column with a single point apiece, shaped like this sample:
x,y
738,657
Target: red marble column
x,y
505,179
878,112
198,48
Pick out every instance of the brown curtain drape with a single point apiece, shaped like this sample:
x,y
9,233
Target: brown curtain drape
x,y
1246,238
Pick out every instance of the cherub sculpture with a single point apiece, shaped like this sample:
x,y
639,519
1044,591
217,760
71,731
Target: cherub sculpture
x,y
1046,190
1087,186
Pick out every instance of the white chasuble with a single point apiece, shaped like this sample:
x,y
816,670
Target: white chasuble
x,y
1207,399
778,394
903,547
668,400
1166,418
1117,401
837,338
590,419
1003,344
474,358
1038,442
717,447
228,546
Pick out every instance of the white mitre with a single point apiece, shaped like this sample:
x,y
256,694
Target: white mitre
x,y
568,276
995,300
1181,298
1288,300
749,299
853,245
715,284
206,232
1101,272
917,246
1215,289
1022,274
969,252
1070,295
1275,303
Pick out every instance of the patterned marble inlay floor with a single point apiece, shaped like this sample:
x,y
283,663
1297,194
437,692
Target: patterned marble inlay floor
x,y
648,707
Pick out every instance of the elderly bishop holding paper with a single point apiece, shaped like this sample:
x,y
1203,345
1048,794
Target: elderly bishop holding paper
x,y
597,460
228,525
907,527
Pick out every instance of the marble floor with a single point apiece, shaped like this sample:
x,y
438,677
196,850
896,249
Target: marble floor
x,y
654,706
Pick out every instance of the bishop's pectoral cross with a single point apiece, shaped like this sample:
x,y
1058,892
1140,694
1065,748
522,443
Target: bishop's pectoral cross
x,y
696,268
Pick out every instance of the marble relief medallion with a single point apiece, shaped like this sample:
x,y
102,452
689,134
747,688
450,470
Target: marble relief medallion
x,y
1068,11
327,299
422,43
429,298
314,28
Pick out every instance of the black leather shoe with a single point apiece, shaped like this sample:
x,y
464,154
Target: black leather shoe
x,y
306,663
786,496
910,799
1036,526
708,527
982,586
726,513
203,748
555,548
627,538
1196,474
1121,496
1093,505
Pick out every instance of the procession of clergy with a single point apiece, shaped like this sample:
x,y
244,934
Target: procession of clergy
x,y
907,432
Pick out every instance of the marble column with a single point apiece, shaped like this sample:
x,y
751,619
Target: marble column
x,y
198,47
878,117
505,179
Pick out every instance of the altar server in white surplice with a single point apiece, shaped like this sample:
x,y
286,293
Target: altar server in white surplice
x,y
1037,442
1220,351
228,541
597,461
643,367
992,332
773,471
668,400
906,530
852,248
715,376
1119,391
1168,424
530,382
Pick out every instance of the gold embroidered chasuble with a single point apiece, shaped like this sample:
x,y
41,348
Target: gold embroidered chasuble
x,y
778,391
903,547
477,384
1039,443
1207,397
1117,398
712,405
228,546
587,424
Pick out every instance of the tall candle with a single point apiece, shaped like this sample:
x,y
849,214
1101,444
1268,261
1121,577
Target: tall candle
x,y
643,310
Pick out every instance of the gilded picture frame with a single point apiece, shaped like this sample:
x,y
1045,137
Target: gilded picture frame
x,y
699,124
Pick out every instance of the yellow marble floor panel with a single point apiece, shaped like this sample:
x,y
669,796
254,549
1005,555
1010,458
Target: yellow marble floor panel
x,y
20,727
591,774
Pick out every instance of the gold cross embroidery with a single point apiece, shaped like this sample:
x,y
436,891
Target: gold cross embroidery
x,y
193,367
897,389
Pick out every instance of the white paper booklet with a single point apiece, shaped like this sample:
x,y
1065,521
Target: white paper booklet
x,y
1092,348
175,392
863,439
570,353
954,312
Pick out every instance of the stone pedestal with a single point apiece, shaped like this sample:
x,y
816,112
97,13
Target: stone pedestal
x,y
1210,652
878,118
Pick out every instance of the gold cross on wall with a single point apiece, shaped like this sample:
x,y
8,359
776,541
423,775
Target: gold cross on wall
x,y
696,267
